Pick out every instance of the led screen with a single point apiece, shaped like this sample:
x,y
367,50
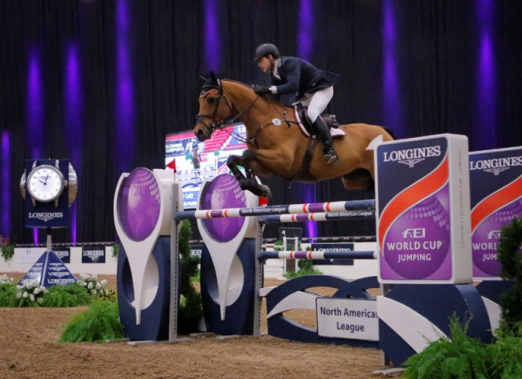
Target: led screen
x,y
197,161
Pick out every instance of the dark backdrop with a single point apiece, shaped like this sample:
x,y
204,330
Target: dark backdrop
x,y
101,82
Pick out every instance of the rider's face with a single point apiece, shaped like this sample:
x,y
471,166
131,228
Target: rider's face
x,y
264,64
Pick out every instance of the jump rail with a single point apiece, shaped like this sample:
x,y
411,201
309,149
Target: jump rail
x,y
312,239
338,206
318,255
326,216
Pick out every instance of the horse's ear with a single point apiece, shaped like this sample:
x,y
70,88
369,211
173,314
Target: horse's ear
x,y
214,81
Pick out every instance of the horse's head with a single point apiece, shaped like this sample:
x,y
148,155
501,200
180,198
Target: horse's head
x,y
214,108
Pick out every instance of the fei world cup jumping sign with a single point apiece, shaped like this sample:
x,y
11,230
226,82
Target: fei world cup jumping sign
x,y
422,210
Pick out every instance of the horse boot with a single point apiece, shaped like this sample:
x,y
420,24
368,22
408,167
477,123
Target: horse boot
x,y
323,133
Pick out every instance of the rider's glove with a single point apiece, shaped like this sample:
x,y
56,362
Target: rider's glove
x,y
261,90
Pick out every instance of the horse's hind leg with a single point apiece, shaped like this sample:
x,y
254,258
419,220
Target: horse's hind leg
x,y
359,179
249,182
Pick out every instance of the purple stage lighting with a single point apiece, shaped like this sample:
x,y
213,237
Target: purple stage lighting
x,y
391,98
73,118
5,229
124,91
212,46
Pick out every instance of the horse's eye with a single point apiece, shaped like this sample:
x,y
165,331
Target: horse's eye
x,y
211,100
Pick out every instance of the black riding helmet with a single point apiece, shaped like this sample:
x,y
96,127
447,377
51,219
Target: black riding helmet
x,y
265,49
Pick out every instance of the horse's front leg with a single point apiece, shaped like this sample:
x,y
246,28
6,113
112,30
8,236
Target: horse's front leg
x,y
249,182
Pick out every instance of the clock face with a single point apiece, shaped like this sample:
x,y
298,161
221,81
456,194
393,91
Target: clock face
x,y
45,183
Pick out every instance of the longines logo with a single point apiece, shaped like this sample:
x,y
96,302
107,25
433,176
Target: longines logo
x,y
496,165
411,157
46,216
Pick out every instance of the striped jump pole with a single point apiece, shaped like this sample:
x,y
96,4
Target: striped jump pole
x,y
338,206
318,254
326,216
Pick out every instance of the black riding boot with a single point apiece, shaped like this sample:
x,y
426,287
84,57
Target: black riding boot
x,y
323,133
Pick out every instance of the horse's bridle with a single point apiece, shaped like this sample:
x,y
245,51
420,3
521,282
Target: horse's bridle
x,y
230,119
214,124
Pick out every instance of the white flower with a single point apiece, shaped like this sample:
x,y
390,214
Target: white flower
x,y
90,286
94,276
18,295
31,296
84,276
103,282
40,300
25,294
98,286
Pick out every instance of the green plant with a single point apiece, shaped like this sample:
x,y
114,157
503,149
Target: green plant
x,y
305,269
97,289
72,295
505,355
510,257
7,252
196,278
8,292
30,293
99,323
190,309
456,357
115,250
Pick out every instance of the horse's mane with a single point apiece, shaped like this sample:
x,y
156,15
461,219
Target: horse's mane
x,y
270,99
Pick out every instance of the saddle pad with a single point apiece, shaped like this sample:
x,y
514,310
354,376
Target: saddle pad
x,y
334,132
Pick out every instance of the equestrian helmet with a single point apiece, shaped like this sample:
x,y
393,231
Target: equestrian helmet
x,y
265,49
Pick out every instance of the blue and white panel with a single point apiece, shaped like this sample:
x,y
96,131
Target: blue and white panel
x,y
409,314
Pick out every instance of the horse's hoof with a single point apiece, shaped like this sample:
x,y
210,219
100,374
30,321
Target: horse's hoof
x,y
265,191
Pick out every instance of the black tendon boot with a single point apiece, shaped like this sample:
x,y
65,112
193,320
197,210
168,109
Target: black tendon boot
x,y
323,133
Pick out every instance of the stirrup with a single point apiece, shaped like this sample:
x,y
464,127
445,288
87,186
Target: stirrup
x,y
330,157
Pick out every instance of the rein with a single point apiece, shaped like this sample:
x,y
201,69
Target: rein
x,y
231,119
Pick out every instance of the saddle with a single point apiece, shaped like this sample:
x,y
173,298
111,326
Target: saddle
x,y
300,113
306,128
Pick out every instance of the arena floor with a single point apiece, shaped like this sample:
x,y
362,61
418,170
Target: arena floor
x,y
29,349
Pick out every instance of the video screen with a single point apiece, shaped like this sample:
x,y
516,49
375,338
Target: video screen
x,y
197,161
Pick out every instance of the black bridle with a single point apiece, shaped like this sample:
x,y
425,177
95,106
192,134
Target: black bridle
x,y
214,124
229,120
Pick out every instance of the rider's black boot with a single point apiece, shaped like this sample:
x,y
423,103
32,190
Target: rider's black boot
x,y
323,133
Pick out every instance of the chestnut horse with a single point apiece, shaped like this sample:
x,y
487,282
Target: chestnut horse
x,y
276,145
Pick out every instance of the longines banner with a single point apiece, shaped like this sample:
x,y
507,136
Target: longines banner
x,y
93,254
64,253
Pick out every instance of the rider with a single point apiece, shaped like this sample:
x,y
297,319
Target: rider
x,y
312,87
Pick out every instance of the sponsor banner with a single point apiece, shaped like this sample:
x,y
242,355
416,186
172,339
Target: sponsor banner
x,y
93,254
56,272
496,199
332,247
347,318
29,255
36,271
423,219
64,253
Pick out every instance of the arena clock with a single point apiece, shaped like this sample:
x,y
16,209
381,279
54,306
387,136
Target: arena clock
x,y
45,183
